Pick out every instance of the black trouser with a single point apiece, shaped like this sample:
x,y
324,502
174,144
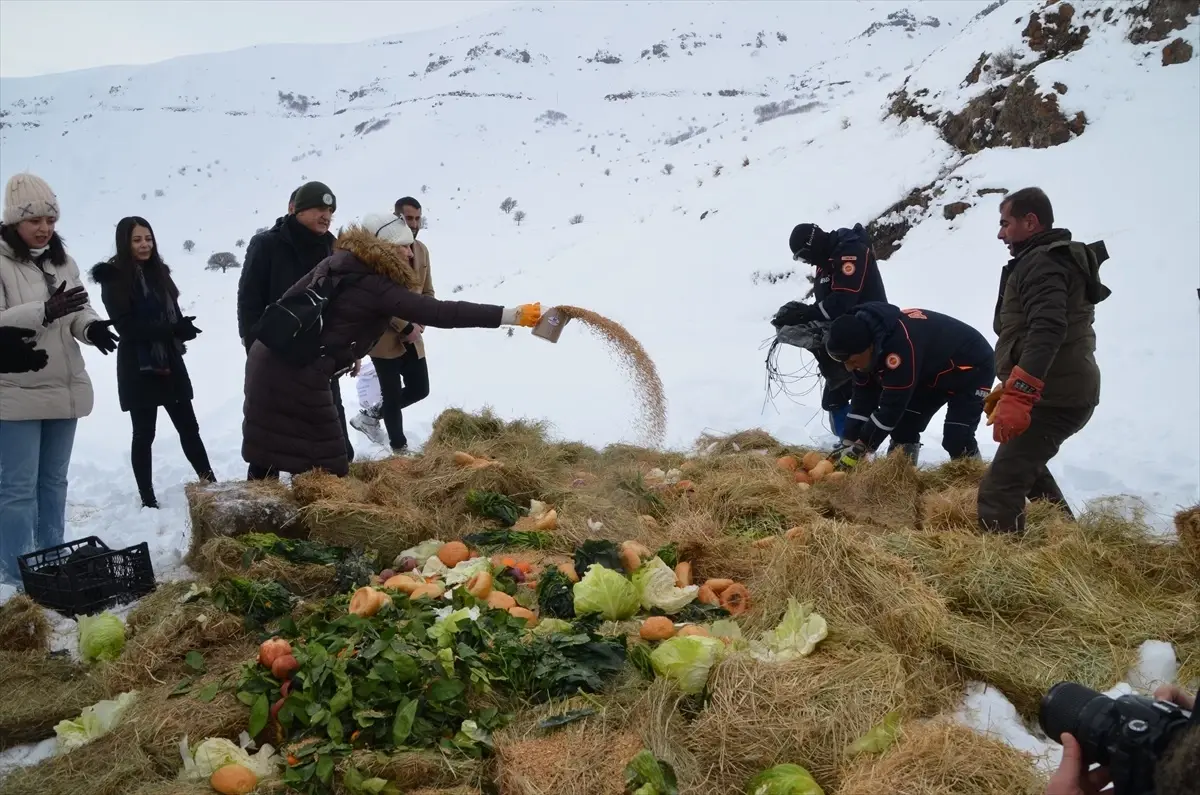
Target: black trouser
x,y
402,381
183,417
1019,472
963,399
255,472
336,389
839,384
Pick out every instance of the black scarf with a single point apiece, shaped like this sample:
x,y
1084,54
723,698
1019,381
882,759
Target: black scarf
x,y
151,306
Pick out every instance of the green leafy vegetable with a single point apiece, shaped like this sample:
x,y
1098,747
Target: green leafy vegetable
x,y
208,692
101,637
195,661
650,776
687,661
669,554
696,613
566,718
355,570
655,584
509,539
491,505
259,602
599,551
796,635
784,780
96,721
604,591
554,595
878,738
258,715
296,550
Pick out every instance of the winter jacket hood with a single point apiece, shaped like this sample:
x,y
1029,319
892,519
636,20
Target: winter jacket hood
x,y
62,389
881,318
379,256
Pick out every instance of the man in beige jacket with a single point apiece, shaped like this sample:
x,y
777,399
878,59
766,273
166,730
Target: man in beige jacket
x,y
398,359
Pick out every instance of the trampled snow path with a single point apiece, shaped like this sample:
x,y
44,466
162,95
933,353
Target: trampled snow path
x,y
225,138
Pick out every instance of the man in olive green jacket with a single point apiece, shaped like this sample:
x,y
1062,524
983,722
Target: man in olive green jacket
x,y
1045,357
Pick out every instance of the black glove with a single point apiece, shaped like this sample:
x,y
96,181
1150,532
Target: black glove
x,y
793,313
99,335
185,330
17,351
65,302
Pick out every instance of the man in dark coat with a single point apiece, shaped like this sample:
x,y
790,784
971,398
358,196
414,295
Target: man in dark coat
x,y
847,275
1045,356
290,421
283,255
907,365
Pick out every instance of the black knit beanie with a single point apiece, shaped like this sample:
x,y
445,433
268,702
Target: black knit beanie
x,y
314,194
848,335
809,242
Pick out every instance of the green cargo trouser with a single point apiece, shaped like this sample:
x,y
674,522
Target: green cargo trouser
x,y
1018,472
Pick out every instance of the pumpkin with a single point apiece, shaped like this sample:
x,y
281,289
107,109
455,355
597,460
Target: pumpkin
x,y
430,589
463,459
657,628
717,584
812,459
500,600
694,629
787,463
547,521
568,570
521,612
284,666
271,650
683,575
480,585
632,554
705,596
797,534
405,583
234,780
453,553
821,470
764,543
834,477
367,601
685,486
802,477
735,599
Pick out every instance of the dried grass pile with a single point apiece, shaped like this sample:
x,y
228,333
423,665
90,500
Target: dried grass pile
x,y
40,691
225,557
411,769
587,757
23,625
740,442
806,711
1187,529
936,758
952,508
962,473
236,507
109,765
885,492
748,495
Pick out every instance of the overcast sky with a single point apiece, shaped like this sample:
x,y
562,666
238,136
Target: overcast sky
x,y
45,36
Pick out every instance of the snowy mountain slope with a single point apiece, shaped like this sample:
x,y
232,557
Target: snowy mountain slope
x,y
462,118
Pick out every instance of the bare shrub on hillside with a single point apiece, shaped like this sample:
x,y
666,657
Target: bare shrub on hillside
x,y
241,243
508,205
575,219
519,216
188,245
552,117
297,103
771,277
222,261
667,169
774,110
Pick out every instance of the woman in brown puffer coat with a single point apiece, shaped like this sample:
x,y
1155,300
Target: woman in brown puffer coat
x,y
290,422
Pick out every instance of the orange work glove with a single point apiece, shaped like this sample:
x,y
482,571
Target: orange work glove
x,y
989,403
524,315
1011,418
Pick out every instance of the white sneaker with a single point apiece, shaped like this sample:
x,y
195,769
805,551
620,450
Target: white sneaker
x,y
369,426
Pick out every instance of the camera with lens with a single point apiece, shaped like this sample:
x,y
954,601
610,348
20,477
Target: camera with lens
x,y
1129,735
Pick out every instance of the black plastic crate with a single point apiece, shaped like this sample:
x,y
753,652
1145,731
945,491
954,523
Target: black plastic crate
x,y
85,576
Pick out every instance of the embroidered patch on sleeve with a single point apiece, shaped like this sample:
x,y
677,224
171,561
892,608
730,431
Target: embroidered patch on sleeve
x,y
892,361
848,268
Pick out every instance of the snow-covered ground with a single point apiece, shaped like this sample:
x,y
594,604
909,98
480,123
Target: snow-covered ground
x,y
577,108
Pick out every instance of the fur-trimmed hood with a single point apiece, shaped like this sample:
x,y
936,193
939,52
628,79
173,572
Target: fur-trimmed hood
x,y
104,272
378,255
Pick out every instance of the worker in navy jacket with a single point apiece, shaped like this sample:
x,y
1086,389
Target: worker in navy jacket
x,y
847,276
907,365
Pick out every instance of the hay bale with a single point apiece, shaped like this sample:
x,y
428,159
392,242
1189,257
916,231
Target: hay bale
x,y
42,691
748,495
224,557
160,633
959,473
938,758
806,711
699,540
952,508
1187,528
109,765
387,530
587,757
884,492
742,441
310,487
455,429
237,507
408,769
852,580
23,625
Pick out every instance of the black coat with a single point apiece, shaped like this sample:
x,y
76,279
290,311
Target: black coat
x,y
136,389
915,350
850,276
275,260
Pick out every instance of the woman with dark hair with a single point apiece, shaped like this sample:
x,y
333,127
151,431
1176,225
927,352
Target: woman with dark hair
x,y
143,302
40,290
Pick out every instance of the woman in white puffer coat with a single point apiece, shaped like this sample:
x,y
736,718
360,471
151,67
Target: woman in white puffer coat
x,y
40,290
